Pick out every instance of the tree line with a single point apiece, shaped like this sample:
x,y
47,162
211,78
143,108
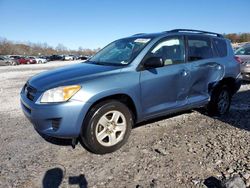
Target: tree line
x,y
238,37
8,47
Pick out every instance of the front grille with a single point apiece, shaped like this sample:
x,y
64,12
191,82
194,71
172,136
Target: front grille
x,y
30,91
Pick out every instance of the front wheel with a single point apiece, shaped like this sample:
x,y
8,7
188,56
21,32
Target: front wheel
x,y
220,101
107,127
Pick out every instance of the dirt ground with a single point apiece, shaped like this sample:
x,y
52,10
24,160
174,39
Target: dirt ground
x,y
188,149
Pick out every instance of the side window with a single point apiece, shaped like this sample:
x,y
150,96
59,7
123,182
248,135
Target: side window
x,y
170,50
199,48
220,46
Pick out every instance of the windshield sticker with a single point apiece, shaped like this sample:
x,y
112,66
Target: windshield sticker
x,y
124,62
141,40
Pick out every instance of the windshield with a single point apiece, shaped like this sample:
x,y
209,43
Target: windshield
x,y
120,52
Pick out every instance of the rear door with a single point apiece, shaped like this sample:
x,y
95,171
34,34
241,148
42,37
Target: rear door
x,y
205,67
165,88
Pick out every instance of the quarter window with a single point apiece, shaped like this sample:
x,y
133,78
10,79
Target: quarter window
x,y
170,50
221,47
199,48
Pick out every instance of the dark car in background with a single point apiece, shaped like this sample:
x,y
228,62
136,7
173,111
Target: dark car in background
x,y
56,57
243,54
83,57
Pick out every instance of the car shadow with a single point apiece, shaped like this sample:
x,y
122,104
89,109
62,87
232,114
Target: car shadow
x,y
54,177
213,182
78,180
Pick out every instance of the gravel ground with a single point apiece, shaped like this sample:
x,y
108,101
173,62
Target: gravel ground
x,y
184,150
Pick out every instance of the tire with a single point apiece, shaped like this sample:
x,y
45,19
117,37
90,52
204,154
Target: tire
x,y
220,101
112,133
40,62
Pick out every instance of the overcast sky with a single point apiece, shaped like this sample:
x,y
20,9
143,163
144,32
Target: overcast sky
x,y
95,23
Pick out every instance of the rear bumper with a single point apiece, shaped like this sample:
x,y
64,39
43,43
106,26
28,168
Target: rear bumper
x,y
60,120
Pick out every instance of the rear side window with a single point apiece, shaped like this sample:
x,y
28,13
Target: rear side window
x,y
199,48
221,47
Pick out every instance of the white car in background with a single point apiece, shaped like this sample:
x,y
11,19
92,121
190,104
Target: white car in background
x,y
38,59
69,57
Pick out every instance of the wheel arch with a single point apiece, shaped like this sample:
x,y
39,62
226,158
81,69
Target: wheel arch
x,y
230,82
121,97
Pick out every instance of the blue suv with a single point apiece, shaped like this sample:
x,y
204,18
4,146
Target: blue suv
x,y
129,81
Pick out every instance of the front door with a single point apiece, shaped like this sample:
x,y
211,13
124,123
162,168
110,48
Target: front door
x,y
166,87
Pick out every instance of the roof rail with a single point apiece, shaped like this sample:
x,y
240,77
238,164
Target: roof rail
x,y
195,31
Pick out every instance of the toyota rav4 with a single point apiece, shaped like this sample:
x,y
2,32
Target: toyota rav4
x,y
129,81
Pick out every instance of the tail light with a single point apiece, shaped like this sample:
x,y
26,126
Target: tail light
x,y
238,59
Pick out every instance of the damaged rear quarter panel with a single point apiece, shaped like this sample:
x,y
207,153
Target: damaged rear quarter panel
x,y
203,73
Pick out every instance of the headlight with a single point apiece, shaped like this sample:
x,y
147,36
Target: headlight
x,y
60,94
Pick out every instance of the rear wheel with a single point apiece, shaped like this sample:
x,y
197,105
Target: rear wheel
x,y
107,127
220,101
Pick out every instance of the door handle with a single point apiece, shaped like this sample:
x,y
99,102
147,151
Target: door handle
x,y
184,73
209,65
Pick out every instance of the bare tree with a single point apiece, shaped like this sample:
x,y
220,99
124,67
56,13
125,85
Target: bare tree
x,y
9,48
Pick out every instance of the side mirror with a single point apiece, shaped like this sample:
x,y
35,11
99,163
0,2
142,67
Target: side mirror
x,y
153,62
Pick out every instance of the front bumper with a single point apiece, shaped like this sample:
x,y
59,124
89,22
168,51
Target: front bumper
x,y
59,120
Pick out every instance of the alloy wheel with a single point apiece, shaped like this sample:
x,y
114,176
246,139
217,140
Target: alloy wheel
x,y
111,128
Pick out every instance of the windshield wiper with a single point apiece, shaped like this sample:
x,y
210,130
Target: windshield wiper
x,y
95,62
103,63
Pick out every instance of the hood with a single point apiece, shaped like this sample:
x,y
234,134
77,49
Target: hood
x,y
69,75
